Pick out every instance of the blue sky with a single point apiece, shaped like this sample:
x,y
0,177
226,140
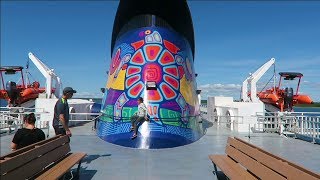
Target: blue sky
x,y
232,39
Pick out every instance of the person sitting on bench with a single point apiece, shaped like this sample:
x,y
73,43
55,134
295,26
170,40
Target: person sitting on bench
x,y
27,135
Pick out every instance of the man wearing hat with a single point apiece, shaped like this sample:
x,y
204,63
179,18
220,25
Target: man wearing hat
x,y
61,113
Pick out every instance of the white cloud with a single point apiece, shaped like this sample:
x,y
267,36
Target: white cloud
x,y
84,94
220,90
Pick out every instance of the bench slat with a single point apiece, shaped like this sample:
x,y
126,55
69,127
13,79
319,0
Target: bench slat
x,y
259,162
62,167
230,168
287,168
27,148
38,164
31,154
271,162
252,165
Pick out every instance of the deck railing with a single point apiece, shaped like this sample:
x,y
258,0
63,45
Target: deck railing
x,y
11,119
300,124
304,125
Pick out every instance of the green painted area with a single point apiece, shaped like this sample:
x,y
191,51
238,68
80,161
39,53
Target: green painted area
x,y
106,118
127,112
170,117
107,114
193,124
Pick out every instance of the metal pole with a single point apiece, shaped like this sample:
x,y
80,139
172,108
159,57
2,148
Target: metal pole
x,y
48,128
249,131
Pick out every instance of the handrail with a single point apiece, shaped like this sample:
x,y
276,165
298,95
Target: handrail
x,y
11,125
20,109
151,118
304,124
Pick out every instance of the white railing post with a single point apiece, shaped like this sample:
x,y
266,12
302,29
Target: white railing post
x,y
279,125
302,125
308,126
318,127
289,122
295,126
314,131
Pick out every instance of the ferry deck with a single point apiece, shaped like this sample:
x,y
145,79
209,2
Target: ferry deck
x,y
108,161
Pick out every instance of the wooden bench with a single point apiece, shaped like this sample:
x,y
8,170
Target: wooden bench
x,y
47,159
246,161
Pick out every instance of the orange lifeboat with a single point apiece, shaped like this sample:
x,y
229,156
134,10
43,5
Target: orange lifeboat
x,y
32,92
303,99
18,94
285,98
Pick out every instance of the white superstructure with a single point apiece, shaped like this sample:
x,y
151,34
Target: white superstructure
x,y
239,115
234,115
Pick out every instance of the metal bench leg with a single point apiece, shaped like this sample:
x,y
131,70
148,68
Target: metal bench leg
x,y
78,169
215,170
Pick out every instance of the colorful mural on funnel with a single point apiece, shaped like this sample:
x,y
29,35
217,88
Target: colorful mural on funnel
x,y
154,55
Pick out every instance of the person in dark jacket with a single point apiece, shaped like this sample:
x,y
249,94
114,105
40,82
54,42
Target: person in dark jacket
x,y
60,121
27,135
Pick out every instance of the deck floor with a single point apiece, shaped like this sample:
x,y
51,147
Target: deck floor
x,y
108,161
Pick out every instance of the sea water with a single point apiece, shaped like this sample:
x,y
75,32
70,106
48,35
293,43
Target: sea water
x,y
315,110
